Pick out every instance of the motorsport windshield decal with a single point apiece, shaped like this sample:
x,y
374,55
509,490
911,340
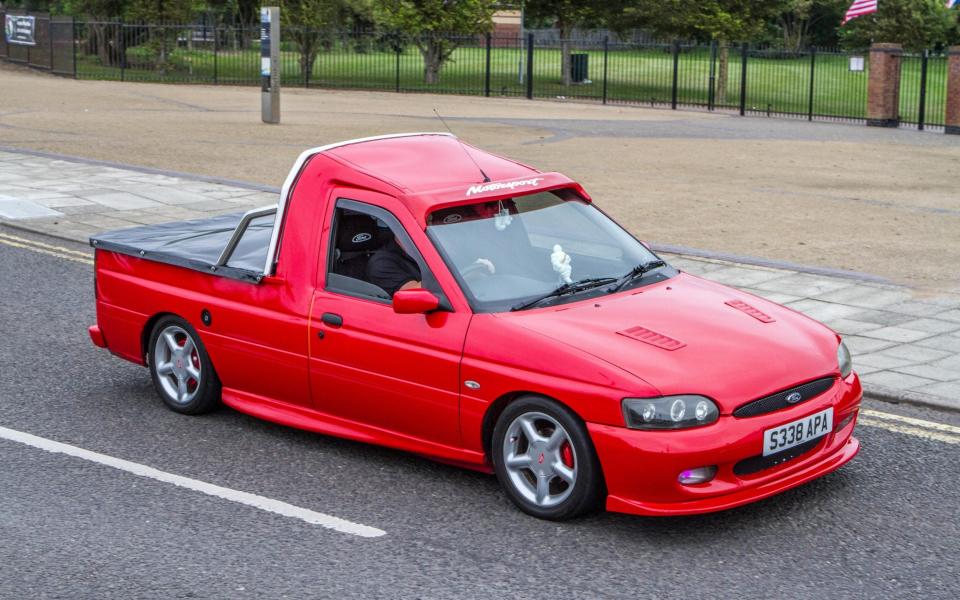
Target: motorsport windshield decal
x,y
508,185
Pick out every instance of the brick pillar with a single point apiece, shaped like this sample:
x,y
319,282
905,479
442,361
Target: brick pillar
x,y
883,91
952,121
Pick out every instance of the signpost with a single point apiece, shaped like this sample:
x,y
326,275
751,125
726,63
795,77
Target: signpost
x,y
270,64
20,29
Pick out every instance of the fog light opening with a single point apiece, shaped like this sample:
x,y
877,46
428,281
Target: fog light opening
x,y
845,421
698,475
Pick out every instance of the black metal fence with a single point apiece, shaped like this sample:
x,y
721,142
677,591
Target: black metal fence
x,y
52,49
811,84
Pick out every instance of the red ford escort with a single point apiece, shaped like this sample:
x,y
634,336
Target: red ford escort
x,y
416,292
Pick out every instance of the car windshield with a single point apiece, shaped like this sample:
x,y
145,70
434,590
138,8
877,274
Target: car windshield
x,y
507,254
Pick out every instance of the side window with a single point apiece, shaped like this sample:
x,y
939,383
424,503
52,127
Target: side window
x,y
371,256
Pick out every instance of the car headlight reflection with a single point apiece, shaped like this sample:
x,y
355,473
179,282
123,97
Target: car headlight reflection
x,y
671,412
844,360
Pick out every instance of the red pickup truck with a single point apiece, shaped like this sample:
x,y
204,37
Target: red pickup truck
x,y
417,292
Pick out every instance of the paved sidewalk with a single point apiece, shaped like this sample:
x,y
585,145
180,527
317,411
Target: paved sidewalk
x,y
906,345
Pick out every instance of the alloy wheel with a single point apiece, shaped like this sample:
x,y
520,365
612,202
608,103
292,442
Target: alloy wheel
x,y
540,459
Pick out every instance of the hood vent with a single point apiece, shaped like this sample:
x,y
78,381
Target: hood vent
x,y
652,337
753,312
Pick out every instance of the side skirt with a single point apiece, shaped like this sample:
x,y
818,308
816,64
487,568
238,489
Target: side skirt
x,y
310,420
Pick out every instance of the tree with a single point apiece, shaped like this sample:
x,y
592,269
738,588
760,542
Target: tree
x,y
810,22
722,21
309,23
917,24
566,14
437,27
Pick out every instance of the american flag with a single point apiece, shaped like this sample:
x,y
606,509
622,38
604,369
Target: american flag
x,y
862,7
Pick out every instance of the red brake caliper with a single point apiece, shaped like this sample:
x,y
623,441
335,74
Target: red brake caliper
x,y
195,360
566,454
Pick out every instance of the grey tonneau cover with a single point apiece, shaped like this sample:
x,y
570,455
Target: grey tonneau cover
x,y
196,244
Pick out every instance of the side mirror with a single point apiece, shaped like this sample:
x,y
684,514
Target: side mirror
x,y
415,301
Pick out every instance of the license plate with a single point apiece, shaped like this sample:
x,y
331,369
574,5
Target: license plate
x,y
797,432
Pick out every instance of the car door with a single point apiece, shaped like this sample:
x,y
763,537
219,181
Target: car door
x,y
369,364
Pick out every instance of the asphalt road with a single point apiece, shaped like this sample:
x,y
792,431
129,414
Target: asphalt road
x,y
886,525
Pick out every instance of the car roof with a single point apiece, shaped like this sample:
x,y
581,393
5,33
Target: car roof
x,y
423,162
425,171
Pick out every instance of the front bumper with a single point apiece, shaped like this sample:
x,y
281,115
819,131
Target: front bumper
x,y
641,467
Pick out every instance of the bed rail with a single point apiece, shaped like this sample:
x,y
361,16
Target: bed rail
x,y
245,220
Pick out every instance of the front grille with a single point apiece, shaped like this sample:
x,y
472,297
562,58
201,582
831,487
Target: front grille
x,y
758,463
777,401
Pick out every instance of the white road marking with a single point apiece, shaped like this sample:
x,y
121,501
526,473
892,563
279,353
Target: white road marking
x,y
261,502
930,430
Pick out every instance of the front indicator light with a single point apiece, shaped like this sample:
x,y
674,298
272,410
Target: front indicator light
x,y
844,361
698,475
671,412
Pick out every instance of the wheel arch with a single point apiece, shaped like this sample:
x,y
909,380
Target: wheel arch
x,y
497,407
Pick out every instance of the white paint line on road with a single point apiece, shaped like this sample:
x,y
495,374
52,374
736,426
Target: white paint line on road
x,y
261,502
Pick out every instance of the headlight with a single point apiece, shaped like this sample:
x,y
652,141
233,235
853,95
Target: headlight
x,y
844,360
672,412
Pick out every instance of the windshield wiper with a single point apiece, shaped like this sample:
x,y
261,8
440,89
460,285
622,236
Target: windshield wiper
x,y
638,271
567,289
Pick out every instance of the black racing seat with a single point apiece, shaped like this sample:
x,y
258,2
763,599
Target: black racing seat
x,y
358,236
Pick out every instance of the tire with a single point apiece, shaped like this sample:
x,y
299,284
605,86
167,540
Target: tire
x,y
545,460
181,369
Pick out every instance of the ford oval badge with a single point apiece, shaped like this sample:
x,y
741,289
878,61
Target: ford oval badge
x,y
794,397
361,238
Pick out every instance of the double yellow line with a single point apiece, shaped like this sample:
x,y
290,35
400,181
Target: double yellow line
x,y
940,432
35,246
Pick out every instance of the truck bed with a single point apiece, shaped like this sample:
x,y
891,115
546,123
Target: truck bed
x,y
197,244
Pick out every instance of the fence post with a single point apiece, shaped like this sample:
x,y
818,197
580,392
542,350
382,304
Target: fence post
x,y
50,34
813,69
73,36
123,59
606,57
529,66
883,86
922,110
397,68
486,78
744,48
951,116
676,73
712,92
216,48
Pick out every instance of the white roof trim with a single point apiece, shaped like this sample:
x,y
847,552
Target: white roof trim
x,y
295,171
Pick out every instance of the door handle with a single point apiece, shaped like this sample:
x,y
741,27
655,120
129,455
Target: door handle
x,y
331,319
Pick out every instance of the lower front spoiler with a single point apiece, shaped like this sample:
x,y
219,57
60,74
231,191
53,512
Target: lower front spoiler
x,y
828,464
96,336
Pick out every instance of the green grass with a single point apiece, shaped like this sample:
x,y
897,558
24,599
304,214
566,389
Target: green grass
x,y
643,76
